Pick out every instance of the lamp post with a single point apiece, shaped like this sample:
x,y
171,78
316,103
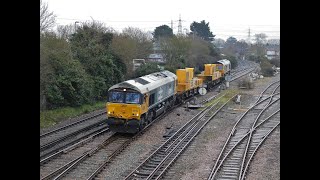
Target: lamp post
x,y
75,25
211,38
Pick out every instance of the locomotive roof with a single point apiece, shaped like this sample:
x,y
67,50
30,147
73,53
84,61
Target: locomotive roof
x,y
223,61
148,82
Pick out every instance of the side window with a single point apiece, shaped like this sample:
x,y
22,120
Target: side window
x,y
151,99
170,88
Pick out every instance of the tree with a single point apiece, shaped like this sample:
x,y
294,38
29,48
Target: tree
x,y
233,61
219,42
47,18
231,40
175,51
260,38
241,48
90,42
275,62
235,48
91,46
229,48
202,30
266,67
258,49
65,31
163,31
181,52
131,44
142,40
45,70
147,68
66,83
199,53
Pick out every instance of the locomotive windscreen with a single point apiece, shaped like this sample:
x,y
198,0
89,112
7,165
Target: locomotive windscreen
x,y
132,98
116,96
124,97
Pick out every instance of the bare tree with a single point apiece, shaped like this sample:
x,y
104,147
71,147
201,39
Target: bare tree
x,y
260,38
47,18
137,34
131,44
65,31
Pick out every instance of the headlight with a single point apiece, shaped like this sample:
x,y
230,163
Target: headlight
x,y
109,112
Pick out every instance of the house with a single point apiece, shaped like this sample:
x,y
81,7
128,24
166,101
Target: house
x,y
137,63
156,57
271,54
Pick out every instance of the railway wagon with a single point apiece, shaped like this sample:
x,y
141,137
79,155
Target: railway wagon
x,y
211,75
134,103
224,66
187,84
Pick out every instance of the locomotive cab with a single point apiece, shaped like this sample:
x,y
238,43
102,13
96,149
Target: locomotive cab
x,y
124,108
134,103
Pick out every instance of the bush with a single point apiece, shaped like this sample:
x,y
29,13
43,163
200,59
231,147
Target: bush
x,y
275,62
233,61
266,68
70,85
246,84
145,69
67,83
257,59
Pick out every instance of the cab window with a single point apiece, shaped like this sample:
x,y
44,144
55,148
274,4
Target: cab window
x,y
133,98
116,97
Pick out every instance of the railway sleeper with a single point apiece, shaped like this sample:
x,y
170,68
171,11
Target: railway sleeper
x,y
231,170
149,166
229,173
143,174
148,169
226,176
155,160
231,167
233,163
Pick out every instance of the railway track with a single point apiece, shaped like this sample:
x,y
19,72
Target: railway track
x,y
70,125
72,157
72,160
106,162
241,73
68,147
69,139
246,136
66,161
60,138
156,165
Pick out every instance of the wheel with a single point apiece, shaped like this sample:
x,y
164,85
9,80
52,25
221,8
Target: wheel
x,y
142,123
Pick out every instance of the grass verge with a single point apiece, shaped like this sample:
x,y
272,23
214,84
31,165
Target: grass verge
x,y
51,117
223,97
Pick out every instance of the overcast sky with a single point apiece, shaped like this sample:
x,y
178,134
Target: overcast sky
x,y
226,17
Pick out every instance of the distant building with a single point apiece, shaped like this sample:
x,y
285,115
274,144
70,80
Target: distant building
x,y
156,57
273,49
272,54
137,63
273,41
